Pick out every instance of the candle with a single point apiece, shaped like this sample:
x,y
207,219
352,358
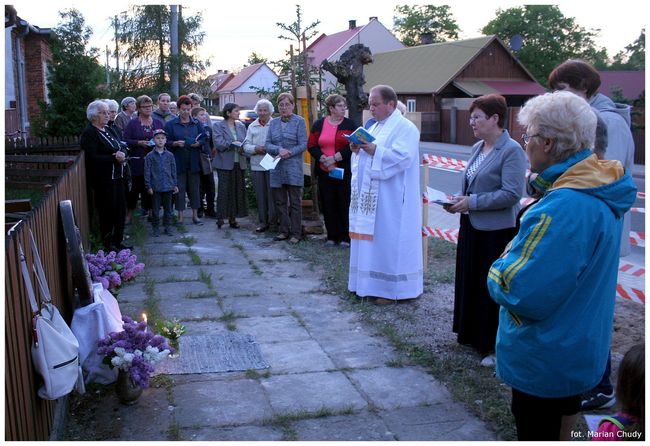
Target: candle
x,y
144,318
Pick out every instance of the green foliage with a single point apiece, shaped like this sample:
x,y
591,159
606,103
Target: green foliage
x,y
68,91
549,38
633,57
410,22
255,58
145,51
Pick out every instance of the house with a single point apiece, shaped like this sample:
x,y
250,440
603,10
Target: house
x,y
238,89
216,80
27,56
374,35
440,80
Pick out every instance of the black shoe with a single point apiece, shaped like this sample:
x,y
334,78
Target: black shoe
x,y
234,225
262,228
280,237
199,213
219,223
595,400
210,214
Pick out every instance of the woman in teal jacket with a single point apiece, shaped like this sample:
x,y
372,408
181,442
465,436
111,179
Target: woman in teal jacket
x,y
556,280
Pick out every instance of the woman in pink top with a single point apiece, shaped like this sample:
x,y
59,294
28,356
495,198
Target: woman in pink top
x,y
331,150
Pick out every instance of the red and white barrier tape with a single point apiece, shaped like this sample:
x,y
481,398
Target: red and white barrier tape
x,y
639,210
622,291
640,195
637,239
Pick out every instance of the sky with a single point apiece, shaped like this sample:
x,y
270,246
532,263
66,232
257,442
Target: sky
x,y
236,29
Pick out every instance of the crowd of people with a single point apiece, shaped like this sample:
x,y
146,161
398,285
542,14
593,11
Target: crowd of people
x,y
535,287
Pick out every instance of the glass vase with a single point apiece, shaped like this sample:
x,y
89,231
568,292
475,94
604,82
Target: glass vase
x,y
127,391
173,343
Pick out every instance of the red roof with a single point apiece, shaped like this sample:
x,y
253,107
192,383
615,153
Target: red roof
x,y
523,88
326,45
239,79
632,82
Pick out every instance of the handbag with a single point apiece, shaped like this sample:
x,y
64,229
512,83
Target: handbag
x,y
206,164
55,350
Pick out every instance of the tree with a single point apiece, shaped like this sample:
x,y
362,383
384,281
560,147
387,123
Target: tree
x,y
146,50
410,22
255,58
549,38
74,77
633,57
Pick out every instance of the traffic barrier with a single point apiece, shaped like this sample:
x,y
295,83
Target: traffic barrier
x,y
637,239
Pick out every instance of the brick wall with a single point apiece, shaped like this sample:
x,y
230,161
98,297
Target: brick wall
x,y
37,55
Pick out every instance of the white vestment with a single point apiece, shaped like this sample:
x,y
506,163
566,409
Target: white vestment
x,y
389,265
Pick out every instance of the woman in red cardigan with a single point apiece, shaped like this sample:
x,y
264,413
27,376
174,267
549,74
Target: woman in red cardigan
x,y
331,149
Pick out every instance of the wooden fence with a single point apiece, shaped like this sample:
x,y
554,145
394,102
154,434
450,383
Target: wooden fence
x,y
27,417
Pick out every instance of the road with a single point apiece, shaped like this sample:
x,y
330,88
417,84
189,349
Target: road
x,y
449,182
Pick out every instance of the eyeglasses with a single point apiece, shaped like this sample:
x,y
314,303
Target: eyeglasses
x,y
341,105
526,137
476,118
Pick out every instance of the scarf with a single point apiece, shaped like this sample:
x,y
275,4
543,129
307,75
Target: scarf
x,y
364,195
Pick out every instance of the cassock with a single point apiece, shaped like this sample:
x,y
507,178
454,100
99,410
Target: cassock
x,y
386,214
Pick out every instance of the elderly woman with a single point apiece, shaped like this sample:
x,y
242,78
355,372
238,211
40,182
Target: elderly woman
x,y
230,162
254,146
287,138
492,186
556,280
173,109
105,164
185,139
128,112
331,150
138,134
113,109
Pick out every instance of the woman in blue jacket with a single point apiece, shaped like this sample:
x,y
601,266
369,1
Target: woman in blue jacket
x,y
556,280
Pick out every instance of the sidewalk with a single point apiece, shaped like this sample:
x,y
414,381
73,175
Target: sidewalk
x,y
329,378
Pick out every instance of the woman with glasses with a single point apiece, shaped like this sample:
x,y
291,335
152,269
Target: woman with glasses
x,y
331,150
492,186
138,134
287,139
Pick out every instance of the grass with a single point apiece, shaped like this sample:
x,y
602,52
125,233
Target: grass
x,y
254,374
194,256
201,295
206,278
231,326
229,316
283,421
476,387
187,240
137,231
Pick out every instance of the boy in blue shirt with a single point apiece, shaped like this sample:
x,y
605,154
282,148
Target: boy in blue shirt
x,y
160,181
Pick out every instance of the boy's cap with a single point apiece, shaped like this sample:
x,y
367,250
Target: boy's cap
x,y
159,131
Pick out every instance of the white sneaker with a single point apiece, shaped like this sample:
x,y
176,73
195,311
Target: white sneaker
x,y
489,361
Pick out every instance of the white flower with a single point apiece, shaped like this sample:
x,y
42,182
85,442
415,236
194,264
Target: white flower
x,y
153,356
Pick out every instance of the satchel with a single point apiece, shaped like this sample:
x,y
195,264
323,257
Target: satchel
x,y
206,164
55,350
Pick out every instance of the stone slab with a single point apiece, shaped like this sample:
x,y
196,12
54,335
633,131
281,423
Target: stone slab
x,y
273,329
364,426
165,274
190,309
390,388
235,433
446,421
194,328
180,290
296,357
132,292
220,403
358,350
312,392
266,305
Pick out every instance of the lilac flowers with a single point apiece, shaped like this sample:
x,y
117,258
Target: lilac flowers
x,y
135,350
113,268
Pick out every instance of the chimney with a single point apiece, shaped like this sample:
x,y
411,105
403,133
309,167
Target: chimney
x,y
219,71
426,38
352,24
370,19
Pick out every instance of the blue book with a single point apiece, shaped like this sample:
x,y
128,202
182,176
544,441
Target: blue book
x,y
360,136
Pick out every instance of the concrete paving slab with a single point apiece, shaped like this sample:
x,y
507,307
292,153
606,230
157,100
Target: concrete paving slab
x,y
179,258
132,292
204,327
358,350
446,421
296,357
273,329
364,426
312,392
313,303
330,325
148,419
267,305
236,433
171,248
390,388
168,274
221,403
178,290
190,309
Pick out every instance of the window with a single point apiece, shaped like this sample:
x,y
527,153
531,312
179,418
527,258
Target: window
x,y
410,105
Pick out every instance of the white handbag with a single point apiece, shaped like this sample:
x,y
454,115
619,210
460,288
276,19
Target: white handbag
x,y
55,350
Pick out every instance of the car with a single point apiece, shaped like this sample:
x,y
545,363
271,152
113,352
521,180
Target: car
x,y
247,116
214,119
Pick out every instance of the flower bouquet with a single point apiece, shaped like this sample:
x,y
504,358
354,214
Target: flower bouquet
x,y
114,268
172,330
134,351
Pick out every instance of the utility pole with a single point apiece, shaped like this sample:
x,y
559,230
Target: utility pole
x,y
117,47
175,69
108,71
293,74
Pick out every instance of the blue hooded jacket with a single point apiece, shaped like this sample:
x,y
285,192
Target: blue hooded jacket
x,y
556,281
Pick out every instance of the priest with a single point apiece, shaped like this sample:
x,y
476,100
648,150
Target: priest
x,y
385,206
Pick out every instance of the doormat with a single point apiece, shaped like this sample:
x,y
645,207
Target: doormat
x,y
226,352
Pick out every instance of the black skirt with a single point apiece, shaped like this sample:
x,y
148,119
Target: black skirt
x,y
476,315
231,194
